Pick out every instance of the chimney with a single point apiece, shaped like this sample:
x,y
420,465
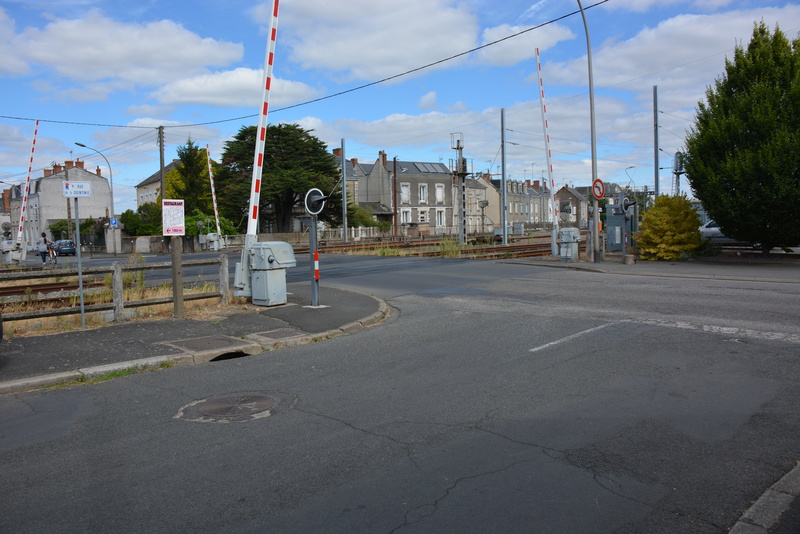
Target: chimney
x,y
354,161
57,168
98,171
382,156
79,164
536,184
6,199
48,172
337,152
69,163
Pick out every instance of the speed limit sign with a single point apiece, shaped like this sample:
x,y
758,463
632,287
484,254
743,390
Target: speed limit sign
x,y
598,189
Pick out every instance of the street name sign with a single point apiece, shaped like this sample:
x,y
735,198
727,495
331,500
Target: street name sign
x,y
77,189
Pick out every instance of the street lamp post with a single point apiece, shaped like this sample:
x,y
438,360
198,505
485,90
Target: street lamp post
x,y
111,187
596,218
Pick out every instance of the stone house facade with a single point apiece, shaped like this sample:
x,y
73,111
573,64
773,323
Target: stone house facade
x,y
47,204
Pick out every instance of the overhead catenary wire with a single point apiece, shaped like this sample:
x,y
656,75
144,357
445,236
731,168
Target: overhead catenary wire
x,y
334,95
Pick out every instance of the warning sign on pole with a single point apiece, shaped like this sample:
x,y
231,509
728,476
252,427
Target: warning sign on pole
x,y
172,219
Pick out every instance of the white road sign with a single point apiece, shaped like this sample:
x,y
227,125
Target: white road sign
x,y
77,189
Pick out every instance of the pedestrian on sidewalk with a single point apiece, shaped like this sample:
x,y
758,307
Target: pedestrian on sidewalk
x,y
43,242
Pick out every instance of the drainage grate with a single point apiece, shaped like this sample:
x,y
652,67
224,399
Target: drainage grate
x,y
236,407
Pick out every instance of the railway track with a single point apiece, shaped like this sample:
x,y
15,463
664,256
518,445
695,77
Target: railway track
x,y
46,288
430,248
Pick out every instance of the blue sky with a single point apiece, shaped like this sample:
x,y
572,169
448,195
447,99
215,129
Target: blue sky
x,y
106,73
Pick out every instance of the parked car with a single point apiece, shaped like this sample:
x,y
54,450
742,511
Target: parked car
x,y
64,247
712,232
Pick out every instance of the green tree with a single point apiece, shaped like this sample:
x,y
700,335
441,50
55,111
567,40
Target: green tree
x,y
669,230
358,217
294,162
190,181
65,229
743,152
233,177
144,221
209,224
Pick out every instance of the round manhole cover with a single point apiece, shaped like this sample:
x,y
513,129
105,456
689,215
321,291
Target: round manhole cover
x,y
235,405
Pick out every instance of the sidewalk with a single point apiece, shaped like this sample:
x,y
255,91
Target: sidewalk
x,y
30,362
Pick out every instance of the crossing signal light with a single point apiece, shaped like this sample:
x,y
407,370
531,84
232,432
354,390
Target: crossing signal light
x,y
315,201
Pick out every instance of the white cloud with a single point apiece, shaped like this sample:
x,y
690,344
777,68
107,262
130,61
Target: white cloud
x,y
639,6
368,40
521,47
428,101
696,55
97,48
642,6
11,63
238,87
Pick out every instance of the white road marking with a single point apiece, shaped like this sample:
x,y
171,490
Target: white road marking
x,y
726,330
570,337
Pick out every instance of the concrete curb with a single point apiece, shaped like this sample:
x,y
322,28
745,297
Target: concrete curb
x,y
256,345
767,510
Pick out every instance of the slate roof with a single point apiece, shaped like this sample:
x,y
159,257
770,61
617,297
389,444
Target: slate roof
x,y
376,208
156,177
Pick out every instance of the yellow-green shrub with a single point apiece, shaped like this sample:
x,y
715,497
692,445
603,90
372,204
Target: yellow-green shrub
x,y
669,230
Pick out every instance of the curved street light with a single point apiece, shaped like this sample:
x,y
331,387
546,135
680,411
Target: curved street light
x,y
111,187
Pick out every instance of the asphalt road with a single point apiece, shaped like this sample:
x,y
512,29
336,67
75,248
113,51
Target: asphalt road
x,y
497,398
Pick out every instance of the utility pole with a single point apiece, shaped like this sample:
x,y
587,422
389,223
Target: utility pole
x,y
394,195
344,195
161,159
655,137
503,198
175,242
456,143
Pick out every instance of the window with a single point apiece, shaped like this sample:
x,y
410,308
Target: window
x,y
405,216
423,216
405,193
440,193
423,193
439,217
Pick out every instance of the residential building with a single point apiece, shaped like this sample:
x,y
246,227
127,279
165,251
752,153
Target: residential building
x,y
416,196
573,208
149,189
525,203
47,204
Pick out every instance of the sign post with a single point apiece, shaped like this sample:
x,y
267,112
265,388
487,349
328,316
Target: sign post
x,y
599,192
174,224
77,190
314,202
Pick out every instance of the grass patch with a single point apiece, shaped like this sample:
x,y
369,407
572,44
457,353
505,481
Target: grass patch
x,y
109,376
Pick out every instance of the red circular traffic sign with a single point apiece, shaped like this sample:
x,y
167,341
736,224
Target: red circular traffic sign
x,y
598,189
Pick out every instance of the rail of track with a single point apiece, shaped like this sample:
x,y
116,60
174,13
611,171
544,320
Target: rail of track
x,y
430,248
46,288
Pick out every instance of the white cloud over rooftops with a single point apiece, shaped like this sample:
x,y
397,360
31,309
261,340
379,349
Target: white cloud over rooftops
x,y
238,87
99,48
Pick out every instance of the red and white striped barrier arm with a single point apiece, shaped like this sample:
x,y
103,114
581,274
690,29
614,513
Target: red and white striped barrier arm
x,y
23,211
258,160
213,191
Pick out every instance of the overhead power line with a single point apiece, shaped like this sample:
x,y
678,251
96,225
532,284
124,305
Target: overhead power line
x,y
334,95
